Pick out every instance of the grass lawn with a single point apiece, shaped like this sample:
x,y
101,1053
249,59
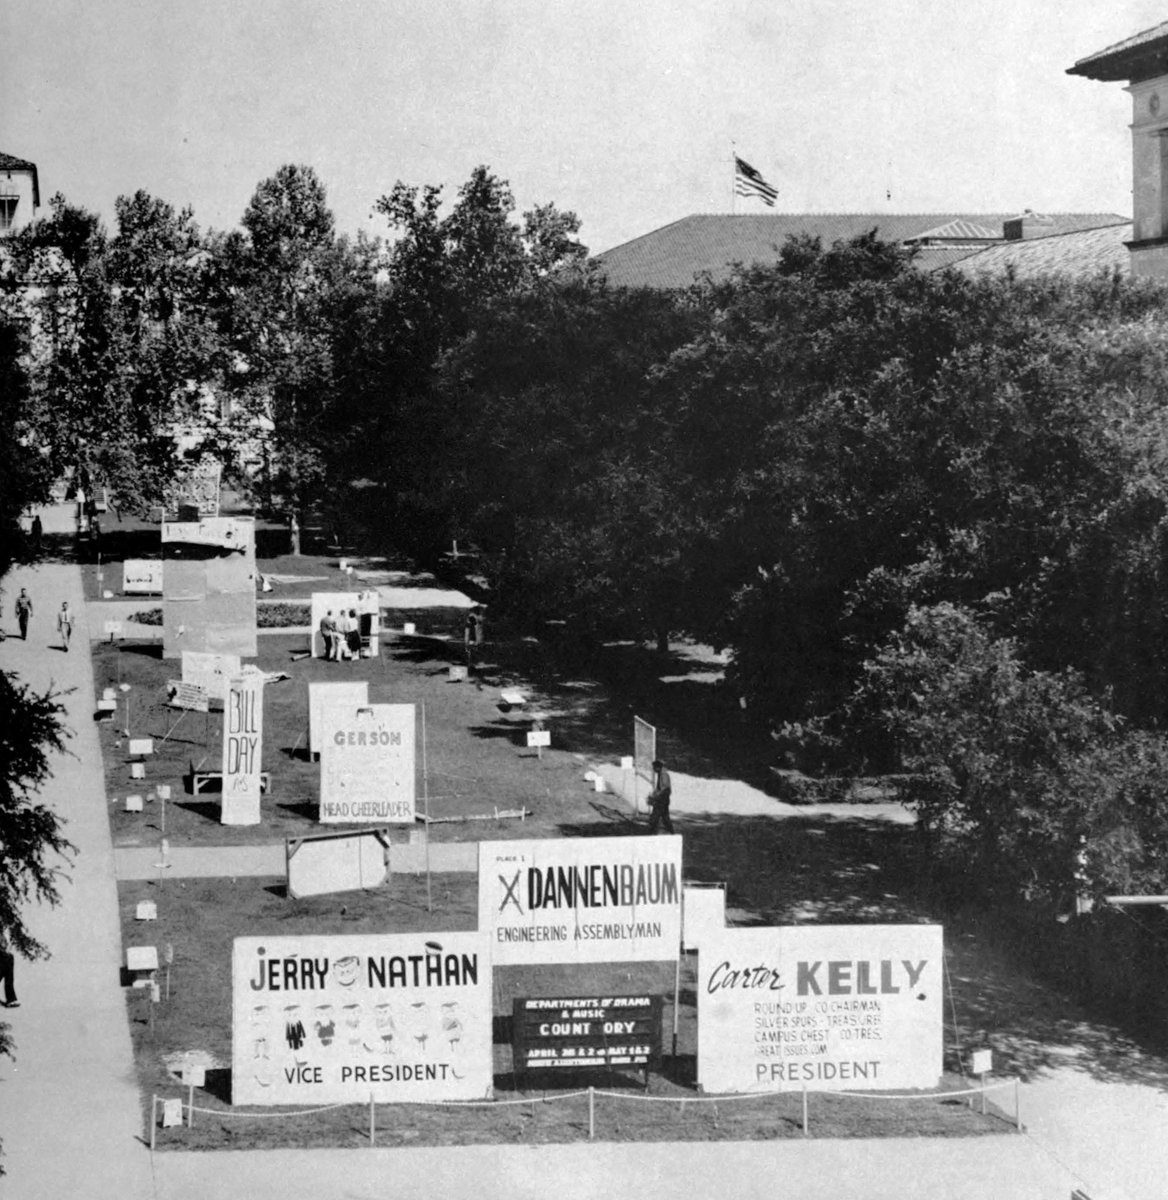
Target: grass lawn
x,y
199,918
475,754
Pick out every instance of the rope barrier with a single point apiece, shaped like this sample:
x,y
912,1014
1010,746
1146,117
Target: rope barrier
x,y
635,1097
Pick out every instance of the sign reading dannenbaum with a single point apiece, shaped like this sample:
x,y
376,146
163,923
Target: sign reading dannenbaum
x,y
554,900
826,1008
334,1020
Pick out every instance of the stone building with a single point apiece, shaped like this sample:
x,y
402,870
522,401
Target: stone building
x,y
1142,61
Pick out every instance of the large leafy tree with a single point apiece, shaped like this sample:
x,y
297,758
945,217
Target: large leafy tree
x,y
121,342
293,285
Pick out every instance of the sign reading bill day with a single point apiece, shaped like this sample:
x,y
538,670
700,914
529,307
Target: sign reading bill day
x,y
334,1020
581,899
826,1008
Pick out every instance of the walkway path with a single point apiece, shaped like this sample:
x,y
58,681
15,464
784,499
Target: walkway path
x,y
72,1124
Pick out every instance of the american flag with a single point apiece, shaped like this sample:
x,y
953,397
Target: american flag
x,y
748,182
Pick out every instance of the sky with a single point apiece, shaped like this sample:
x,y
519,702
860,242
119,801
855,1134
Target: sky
x,y
626,113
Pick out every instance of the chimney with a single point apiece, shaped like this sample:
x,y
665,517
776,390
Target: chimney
x,y
1028,225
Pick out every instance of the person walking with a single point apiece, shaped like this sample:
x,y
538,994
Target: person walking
x,y
65,625
354,634
38,533
7,972
328,631
659,798
23,612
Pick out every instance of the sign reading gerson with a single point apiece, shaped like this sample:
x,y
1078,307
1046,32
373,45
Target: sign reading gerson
x,y
598,1031
581,899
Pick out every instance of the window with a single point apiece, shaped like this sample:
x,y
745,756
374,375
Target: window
x,y
7,212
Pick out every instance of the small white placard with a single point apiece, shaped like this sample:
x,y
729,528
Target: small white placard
x,y
109,694
513,697
112,629
147,910
137,770
163,791
539,737
627,762
142,958
194,1076
981,1062
107,706
133,804
456,674
172,1113
140,747
598,784
409,628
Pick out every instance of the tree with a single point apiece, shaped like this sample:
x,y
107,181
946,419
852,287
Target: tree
x,y
1022,781
120,343
288,274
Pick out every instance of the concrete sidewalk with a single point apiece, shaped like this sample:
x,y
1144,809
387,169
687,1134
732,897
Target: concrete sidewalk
x,y
72,1120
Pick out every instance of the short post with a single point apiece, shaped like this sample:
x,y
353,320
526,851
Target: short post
x,y
805,1133
983,1100
153,1120
372,1122
591,1112
190,1106
1017,1106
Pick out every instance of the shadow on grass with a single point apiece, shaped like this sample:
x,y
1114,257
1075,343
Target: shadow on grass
x,y
209,810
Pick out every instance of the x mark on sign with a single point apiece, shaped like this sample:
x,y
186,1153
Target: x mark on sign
x,y
510,889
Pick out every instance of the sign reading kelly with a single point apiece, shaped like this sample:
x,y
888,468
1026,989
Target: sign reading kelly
x,y
555,900
333,1020
826,1008
367,764
243,731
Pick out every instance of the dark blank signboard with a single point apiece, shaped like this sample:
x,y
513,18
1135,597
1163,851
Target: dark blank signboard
x,y
586,1032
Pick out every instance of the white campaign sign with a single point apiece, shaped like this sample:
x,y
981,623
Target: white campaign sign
x,y
243,739
577,900
333,695
827,1008
367,764
334,1020
141,576
210,671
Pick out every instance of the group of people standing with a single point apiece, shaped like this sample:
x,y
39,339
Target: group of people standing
x,y
341,635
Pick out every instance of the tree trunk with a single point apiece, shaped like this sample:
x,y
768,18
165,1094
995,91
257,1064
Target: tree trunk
x,y
294,536
662,641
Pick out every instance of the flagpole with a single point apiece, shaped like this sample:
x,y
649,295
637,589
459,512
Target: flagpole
x,y
733,179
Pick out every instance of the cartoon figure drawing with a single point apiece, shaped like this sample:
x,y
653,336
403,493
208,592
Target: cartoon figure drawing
x,y
294,1033
351,1015
326,1024
419,1023
452,1028
386,1028
261,1051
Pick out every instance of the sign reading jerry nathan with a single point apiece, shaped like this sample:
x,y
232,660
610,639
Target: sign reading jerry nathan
x,y
333,1020
367,764
827,1008
568,900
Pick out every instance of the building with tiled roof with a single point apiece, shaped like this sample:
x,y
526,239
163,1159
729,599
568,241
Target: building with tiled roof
x,y
1142,60
20,193
672,256
1083,254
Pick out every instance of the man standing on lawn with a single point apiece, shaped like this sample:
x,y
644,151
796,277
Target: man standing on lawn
x,y
660,797
23,612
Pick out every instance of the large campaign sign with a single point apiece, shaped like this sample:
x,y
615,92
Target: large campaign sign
x,y
577,900
826,1008
354,693
208,586
243,737
332,1020
141,576
367,764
